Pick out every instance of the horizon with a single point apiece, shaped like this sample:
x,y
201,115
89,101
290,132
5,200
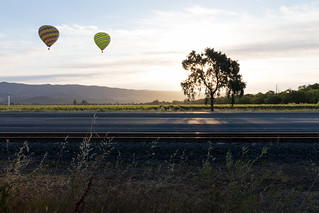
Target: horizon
x,y
276,43
199,96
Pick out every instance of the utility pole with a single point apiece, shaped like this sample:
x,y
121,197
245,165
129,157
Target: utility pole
x,y
276,88
8,100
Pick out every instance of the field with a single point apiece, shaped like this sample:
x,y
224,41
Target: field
x,y
158,177
154,108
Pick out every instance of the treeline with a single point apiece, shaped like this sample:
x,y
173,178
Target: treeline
x,y
305,94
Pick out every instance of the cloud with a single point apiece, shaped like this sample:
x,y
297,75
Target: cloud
x,y
280,33
275,49
301,13
154,48
41,78
126,65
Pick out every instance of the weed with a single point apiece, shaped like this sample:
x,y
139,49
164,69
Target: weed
x,y
94,183
4,191
79,206
239,189
22,160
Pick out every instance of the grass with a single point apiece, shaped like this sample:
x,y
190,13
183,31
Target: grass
x,y
94,182
155,108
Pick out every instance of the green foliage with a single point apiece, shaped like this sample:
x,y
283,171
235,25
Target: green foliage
x,y
305,94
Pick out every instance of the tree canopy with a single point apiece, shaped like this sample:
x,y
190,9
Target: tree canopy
x,y
306,94
212,71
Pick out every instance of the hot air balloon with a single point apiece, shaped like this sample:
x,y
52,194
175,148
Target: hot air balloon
x,y
49,35
102,40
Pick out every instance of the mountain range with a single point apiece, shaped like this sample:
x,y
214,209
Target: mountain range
x,y
67,94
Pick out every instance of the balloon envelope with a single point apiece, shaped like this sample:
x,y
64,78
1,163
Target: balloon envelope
x,y
48,34
102,40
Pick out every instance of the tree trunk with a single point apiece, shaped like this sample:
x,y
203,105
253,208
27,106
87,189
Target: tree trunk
x,y
232,100
212,102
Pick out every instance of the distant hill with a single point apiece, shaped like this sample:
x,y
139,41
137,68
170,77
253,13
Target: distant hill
x,y
66,94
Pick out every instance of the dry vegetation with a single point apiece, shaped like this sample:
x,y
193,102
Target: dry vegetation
x,y
91,183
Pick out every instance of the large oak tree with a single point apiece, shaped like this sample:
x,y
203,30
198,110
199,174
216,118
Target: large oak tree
x,y
213,71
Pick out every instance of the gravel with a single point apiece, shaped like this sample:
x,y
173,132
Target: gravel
x,y
163,151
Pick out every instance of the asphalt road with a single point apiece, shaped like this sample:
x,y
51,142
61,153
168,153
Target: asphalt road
x,y
160,122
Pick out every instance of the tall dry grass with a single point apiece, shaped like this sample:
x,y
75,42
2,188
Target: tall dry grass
x,y
90,182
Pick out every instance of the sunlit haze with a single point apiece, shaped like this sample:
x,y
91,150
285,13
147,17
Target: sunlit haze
x,y
276,42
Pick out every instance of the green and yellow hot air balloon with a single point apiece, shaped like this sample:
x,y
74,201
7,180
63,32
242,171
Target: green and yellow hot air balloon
x,y
102,40
48,34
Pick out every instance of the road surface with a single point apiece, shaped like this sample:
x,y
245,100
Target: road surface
x,y
160,122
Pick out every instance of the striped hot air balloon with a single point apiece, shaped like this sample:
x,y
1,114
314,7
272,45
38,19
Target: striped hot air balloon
x,y
102,40
49,35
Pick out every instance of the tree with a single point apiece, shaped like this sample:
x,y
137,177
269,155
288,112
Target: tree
x,y
84,102
235,85
272,98
259,98
210,70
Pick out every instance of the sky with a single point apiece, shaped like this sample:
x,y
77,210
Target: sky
x,y
276,42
